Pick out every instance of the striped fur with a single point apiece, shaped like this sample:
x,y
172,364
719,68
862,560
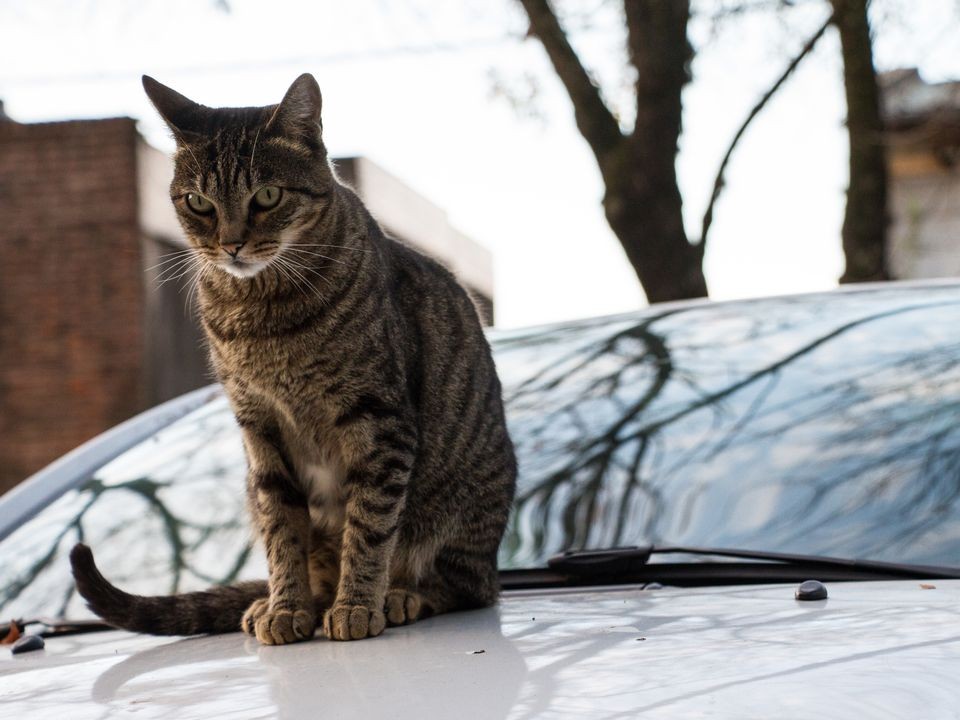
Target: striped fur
x,y
380,468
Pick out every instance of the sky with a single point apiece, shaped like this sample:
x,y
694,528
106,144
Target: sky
x,y
418,87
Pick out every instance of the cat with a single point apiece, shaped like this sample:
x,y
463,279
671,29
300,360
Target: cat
x,y
380,469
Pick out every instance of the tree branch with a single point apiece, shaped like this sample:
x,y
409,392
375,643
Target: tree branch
x,y
594,119
718,182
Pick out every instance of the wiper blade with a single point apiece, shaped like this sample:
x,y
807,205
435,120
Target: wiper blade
x,y
612,561
627,559
631,565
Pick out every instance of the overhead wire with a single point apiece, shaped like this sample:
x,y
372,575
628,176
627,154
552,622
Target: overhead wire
x,y
259,65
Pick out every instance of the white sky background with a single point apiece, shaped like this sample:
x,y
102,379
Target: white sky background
x,y
526,188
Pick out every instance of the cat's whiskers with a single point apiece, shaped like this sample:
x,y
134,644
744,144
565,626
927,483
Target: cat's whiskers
x,y
280,273
316,254
182,143
308,268
288,277
180,251
191,272
320,245
295,277
253,152
178,268
194,283
297,269
305,273
178,272
176,256
173,268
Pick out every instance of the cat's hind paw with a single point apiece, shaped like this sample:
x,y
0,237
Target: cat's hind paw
x,y
402,607
257,608
352,622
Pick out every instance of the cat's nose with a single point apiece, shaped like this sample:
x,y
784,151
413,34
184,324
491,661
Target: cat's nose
x,y
232,248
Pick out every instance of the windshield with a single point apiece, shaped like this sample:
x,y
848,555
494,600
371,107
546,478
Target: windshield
x,y
826,425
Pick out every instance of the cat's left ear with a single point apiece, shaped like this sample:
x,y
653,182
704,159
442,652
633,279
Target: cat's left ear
x,y
298,113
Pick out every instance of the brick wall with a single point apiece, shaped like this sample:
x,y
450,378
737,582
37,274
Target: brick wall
x,y
71,288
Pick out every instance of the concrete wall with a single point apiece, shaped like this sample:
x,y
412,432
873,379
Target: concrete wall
x,y
175,346
923,140
411,218
925,208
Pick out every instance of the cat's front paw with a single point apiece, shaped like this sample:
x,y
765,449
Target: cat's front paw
x,y
279,627
352,622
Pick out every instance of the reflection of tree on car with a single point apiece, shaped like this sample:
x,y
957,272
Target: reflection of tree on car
x,y
606,428
169,511
175,527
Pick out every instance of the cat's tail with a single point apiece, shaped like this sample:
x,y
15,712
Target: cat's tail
x,y
217,610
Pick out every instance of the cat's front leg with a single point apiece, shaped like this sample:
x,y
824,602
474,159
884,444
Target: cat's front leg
x,y
280,513
376,493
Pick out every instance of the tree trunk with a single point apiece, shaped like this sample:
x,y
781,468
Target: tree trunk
x,y
644,211
865,220
642,201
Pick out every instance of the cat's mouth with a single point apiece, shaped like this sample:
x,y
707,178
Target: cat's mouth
x,y
242,267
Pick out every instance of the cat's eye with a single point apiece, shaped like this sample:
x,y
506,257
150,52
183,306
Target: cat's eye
x,y
199,204
267,197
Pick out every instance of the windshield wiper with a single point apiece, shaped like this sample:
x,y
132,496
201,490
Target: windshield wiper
x,y
631,565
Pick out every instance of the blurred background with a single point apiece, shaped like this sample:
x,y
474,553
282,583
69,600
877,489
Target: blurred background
x,y
566,159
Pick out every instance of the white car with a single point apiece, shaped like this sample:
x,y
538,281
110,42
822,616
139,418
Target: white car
x,y
683,471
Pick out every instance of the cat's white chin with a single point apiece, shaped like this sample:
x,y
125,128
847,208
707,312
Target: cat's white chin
x,y
243,269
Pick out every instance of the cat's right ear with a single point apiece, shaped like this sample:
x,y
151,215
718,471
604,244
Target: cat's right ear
x,y
182,115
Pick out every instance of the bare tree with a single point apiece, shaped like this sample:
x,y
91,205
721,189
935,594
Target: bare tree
x,y
642,200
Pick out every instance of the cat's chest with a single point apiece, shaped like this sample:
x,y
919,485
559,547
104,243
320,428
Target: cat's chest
x,y
322,483
281,380
320,475
272,367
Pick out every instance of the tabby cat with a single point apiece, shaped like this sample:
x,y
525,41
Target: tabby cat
x,y
380,468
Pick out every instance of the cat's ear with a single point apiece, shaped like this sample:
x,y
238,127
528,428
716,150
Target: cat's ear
x,y
182,115
298,113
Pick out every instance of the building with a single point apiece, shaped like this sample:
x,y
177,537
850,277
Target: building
x,y
87,337
923,136
412,219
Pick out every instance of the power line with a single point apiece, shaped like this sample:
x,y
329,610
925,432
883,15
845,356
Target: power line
x,y
309,60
